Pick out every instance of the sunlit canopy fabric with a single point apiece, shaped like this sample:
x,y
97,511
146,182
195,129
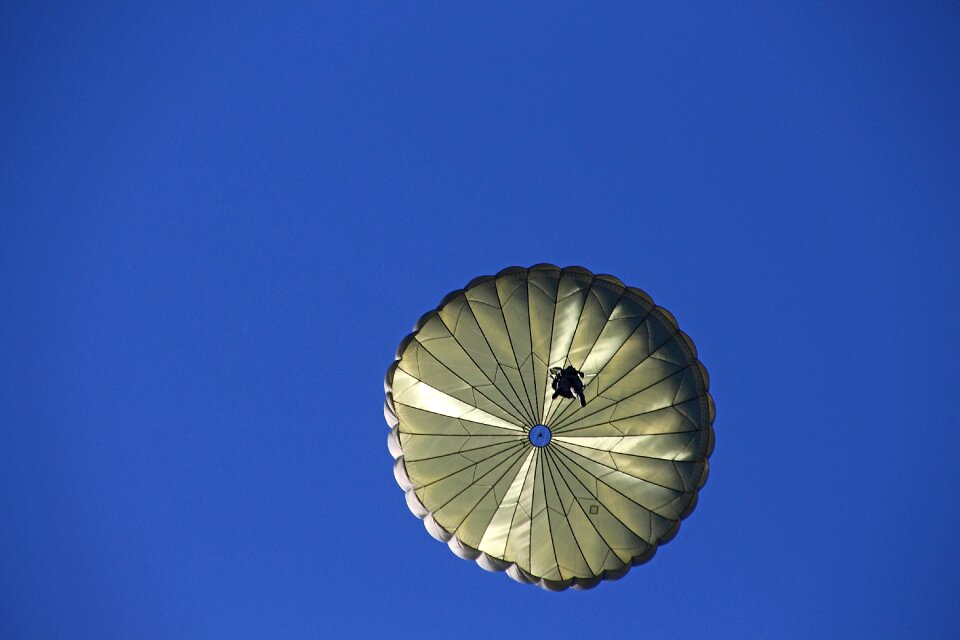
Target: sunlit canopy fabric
x,y
592,490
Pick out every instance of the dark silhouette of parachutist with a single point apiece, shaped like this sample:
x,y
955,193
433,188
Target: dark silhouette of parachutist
x,y
568,383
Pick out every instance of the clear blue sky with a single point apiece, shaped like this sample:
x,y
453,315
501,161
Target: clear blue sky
x,y
217,222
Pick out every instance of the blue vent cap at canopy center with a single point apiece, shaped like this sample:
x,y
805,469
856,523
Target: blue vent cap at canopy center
x,y
539,435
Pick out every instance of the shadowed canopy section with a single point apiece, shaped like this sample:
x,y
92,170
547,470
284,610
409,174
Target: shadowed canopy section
x,y
554,493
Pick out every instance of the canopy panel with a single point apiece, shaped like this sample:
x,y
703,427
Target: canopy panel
x,y
508,475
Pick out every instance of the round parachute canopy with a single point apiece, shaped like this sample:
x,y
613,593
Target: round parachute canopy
x,y
558,489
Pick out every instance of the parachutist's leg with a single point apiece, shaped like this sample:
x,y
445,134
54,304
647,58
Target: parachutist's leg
x,y
555,394
578,393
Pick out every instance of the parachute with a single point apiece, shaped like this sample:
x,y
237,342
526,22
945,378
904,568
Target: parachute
x,y
519,479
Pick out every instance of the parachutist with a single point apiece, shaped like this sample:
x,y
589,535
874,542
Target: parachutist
x,y
568,383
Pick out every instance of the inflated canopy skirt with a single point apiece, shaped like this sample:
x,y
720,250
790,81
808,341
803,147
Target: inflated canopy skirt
x,y
509,476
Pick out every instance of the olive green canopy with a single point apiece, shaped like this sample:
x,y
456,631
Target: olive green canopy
x,y
597,490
